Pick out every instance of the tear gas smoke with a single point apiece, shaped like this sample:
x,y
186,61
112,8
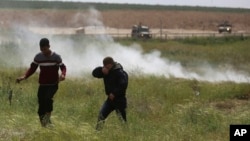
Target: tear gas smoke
x,y
82,56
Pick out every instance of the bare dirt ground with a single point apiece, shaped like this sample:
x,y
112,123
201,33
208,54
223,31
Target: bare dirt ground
x,y
122,20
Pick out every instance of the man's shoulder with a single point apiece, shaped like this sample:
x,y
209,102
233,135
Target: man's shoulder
x,y
54,54
121,71
41,58
39,55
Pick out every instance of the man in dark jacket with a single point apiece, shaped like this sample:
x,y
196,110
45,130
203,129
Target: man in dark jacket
x,y
115,82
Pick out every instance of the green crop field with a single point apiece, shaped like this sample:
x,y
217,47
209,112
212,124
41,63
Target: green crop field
x,y
159,108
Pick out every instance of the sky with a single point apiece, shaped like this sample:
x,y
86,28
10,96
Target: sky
x,y
206,3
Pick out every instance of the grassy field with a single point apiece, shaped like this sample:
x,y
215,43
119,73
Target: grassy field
x,y
159,108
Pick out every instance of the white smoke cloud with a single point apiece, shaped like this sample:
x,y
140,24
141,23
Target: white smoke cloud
x,y
81,56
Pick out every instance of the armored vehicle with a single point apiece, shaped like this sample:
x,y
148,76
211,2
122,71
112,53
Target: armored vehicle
x,y
225,27
141,31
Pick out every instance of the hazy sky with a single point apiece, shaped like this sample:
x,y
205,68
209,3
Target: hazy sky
x,y
207,3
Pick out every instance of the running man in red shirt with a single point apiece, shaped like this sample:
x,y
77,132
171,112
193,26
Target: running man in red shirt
x,y
49,63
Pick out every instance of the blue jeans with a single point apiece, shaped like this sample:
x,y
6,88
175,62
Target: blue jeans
x,y
118,104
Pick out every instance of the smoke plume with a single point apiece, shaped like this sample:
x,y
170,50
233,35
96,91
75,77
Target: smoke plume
x,y
82,54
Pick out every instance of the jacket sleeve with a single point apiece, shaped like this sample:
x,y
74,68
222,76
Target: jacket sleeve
x,y
31,70
61,65
97,72
63,68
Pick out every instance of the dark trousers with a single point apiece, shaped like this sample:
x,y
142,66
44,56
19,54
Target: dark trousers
x,y
45,98
119,105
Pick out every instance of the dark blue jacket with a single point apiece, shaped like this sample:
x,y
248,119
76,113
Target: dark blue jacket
x,y
116,81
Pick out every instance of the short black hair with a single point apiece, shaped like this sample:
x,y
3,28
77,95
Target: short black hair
x,y
44,42
108,60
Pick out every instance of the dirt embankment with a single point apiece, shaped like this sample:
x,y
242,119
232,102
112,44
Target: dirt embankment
x,y
126,18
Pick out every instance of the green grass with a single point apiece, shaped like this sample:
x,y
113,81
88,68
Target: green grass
x,y
158,108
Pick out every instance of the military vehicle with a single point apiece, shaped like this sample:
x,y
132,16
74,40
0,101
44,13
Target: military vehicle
x,y
225,27
141,31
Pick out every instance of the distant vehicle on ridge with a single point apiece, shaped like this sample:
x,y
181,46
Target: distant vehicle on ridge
x,y
141,31
225,27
